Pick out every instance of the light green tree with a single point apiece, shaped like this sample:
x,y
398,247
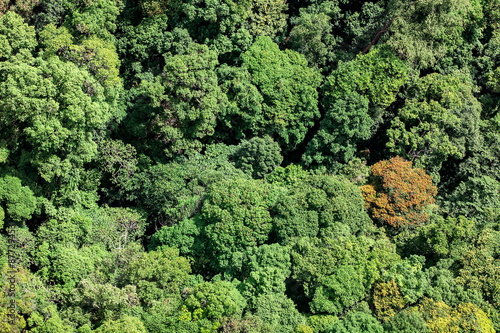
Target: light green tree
x,y
288,88
186,100
124,324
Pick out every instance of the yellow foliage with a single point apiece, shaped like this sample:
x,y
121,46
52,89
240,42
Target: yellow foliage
x,y
439,317
303,329
387,299
473,319
465,317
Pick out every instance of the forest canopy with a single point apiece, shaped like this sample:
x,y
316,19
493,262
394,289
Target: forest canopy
x,y
254,166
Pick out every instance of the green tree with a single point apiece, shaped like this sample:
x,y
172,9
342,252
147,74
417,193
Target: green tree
x,y
443,286
409,277
447,237
357,321
119,165
338,291
72,247
67,265
288,88
20,245
163,317
263,270
237,216
336,273
33,300
185,100
296,214
355,97
51,112
157,275
175,191
257,156
154,7
113,227
213,301
319,205
181,236
364,27
479,266
407,322
95,18
48,321
440,120
267,17
98,56
478,198
104,301
482,159
124,324
16,37
227,25
312,33
142,47
245,104
424,32
278,313
321,323
17,201
378,75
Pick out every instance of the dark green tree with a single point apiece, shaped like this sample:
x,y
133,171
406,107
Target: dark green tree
x,y
424,32
357,321
257,156
185,101
174,191
312,33
407,322
355,97
440,120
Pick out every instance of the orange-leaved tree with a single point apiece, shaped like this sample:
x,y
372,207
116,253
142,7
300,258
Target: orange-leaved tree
x,y
399,194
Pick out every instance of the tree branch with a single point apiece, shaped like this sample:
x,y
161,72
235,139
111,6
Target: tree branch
x,y
377,36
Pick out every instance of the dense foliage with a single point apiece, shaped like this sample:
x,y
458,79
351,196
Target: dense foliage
x,y
253,166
